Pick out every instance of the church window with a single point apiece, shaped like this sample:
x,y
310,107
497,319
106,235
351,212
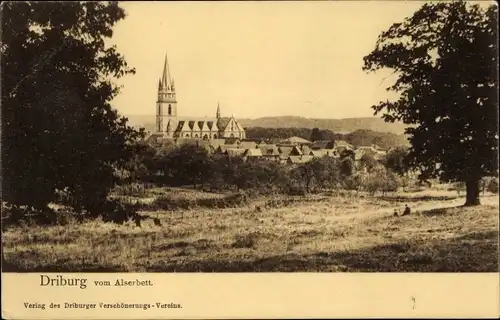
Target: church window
x,y
215,136
187,135
196,136
169,110
205,137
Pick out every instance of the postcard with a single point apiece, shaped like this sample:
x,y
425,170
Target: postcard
x,y
249,159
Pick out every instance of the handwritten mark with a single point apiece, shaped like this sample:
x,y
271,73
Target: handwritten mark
x,y
413,300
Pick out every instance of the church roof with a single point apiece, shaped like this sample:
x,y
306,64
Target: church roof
x,y
182,126
223,122
188,124
191,124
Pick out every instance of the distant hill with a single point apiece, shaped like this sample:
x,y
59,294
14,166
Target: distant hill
x,y
336,125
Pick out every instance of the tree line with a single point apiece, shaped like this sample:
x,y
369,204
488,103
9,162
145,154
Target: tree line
x,y
361,137
170,165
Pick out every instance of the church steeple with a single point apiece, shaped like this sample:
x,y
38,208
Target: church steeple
x,y
166,80
217,115
167,103
166,87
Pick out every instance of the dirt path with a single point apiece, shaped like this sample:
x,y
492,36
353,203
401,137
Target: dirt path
x,y
415,208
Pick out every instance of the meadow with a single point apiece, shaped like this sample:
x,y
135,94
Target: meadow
x,y
325,232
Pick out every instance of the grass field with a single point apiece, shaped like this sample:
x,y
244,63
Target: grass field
x,y
317,233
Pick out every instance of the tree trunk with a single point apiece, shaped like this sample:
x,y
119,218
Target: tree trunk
x,y
472,193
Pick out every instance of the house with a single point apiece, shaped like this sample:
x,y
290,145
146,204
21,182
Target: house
x,y
223,148
343,143
248,144
270,152
289,150
305,149
234,141
296,141
263,146
318,153
252,154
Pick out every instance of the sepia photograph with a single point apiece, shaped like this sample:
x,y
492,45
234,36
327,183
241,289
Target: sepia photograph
x,y
249,136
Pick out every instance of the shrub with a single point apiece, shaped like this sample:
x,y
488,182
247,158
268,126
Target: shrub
x,y
381,180
132,189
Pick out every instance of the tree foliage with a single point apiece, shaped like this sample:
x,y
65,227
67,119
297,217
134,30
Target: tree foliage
x,y
396,160
321,135
368,162
445,60
362,137
381,180
186,164
59,130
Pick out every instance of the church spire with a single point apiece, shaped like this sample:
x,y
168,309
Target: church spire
x,y
166,81
217,115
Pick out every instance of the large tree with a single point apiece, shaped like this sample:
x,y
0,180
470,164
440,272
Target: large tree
x,y
445,61
395,160
59,130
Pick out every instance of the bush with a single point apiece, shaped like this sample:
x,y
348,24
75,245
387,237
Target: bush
x,y
381,180
354,182
132,189
117,212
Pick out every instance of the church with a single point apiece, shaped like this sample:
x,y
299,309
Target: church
x,y
169,124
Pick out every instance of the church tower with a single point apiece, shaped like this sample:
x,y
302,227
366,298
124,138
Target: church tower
x,y
166,104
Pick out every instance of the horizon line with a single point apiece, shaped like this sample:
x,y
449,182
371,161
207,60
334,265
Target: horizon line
x,y
288,115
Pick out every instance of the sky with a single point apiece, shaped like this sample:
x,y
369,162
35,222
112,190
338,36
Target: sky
x,y
257,59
